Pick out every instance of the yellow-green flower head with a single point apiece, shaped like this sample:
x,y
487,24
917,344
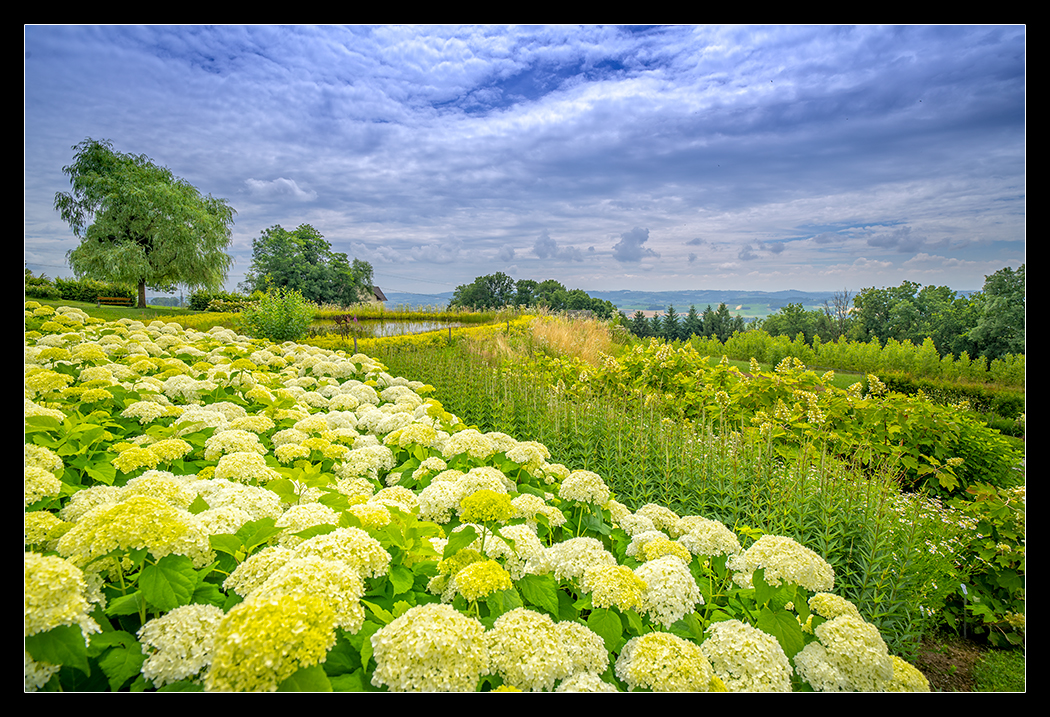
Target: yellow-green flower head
x,y
830,606
431,648
784,560
232,441
614,586
585,682
663,518
707,537
528,651
469,442
480,579
40,484
671,591
148,411
353,546
179,644
162,486
398,497
140,522
486,506
371,515
55,595
41,528
248,467
858,651
906,678
663,662
585,648
747,659
570,558
132,459
264,641
332,580
661,547
46,381
585,487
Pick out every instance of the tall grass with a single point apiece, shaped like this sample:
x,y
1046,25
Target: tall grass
x,y
878,542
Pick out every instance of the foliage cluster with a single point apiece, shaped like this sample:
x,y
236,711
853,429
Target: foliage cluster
x,y
919,360
201,300
712,324
281,314
495,291
989,323
86,290
302,260
277,517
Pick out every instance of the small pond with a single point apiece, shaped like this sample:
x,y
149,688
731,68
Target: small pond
x,y
384,328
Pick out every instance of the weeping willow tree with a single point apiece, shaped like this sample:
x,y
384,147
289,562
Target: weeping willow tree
x,y
140,224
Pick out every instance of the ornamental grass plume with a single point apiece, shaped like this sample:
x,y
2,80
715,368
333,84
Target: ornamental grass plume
x,y
430,648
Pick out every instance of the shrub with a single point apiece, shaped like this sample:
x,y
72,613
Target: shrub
x,y
40,287
89,290
280,315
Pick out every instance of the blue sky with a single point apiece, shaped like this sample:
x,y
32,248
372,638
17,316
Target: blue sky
x,y
606,157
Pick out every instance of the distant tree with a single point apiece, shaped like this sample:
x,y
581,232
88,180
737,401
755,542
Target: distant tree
x,y
303,260
671,327
656,326
640,325
492,291
1000,325
525,292
693,324
139,224
837,312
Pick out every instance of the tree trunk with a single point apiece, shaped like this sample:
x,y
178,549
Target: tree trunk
x,y
142,293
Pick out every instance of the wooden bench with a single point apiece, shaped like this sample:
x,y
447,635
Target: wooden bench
x,y
115,301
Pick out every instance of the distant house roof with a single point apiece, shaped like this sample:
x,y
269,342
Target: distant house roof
x,y
380,296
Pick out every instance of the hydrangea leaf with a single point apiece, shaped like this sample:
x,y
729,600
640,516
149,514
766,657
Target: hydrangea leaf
x,y
169,583
63,645
120,665
540,591
307,679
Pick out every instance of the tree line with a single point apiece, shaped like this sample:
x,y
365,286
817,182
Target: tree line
x,y
988,323
495,291
672,327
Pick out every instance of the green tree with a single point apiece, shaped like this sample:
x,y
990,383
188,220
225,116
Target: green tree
x,y
671,327
693,324
1000,325
139,224
304,261
491,291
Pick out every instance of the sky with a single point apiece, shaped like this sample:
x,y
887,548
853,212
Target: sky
x,y
677,157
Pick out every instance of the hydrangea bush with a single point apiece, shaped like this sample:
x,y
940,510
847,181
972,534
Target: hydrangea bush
x,y
206,511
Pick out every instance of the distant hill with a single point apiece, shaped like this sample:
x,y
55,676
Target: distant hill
x,y
749,304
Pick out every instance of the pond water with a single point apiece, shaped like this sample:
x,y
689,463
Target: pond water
x,y
382,329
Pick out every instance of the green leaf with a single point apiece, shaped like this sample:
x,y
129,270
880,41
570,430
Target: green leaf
x,y
784,626
63,645
229,544
356,681
169,583
540,591
401,578
121,664
606,623
459,540
307,679
126,604
198,506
